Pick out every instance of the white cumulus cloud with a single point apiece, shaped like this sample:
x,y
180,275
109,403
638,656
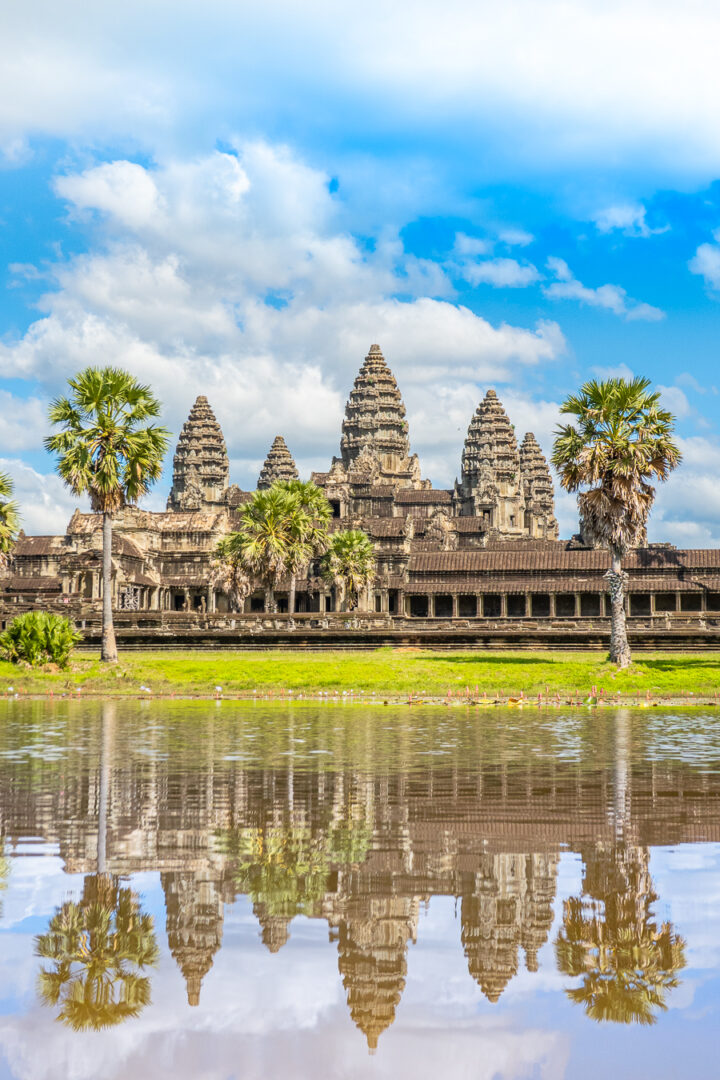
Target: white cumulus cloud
x,y
629,218
502,273
611,297
233,275
706,262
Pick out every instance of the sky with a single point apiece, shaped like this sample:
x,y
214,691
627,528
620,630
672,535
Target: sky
x,y
237,200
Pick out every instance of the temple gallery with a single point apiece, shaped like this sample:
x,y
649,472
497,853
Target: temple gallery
x,y
486,550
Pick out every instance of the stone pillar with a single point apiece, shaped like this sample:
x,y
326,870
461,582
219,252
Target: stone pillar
x,y
652,604
677,601
503,605
210,599
454,606
577,604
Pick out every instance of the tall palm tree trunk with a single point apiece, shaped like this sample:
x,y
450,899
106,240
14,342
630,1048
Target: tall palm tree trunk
x,y
108,717
108,650
270,605
617,578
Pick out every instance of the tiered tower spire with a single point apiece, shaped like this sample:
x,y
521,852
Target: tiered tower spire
x,y
279,465
491,486
194,925
375,432
372,959
537,483
200,465
511,906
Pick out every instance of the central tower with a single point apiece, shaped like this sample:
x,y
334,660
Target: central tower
x,y
375,441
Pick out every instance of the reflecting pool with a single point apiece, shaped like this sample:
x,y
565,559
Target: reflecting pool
x,y
224,890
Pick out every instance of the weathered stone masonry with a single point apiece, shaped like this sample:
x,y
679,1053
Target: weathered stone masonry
x,y
482,553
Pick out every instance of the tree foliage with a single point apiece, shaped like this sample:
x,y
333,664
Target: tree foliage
x,y
97,951
107,447
316,513
610,941
349,563
9,519
287,868
316,510
39,637
280,530
620,441
230,573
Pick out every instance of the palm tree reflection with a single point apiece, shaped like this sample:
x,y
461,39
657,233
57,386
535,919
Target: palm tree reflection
x,y
611,940
97,950
286,868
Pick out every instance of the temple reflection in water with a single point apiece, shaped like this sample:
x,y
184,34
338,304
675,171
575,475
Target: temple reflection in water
x,y
363,846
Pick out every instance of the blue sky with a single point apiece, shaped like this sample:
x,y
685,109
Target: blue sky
x,y
238,202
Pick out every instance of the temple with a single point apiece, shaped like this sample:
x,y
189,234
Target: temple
x,y
481,557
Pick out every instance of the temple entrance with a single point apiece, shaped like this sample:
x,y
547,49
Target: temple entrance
x,y
419,607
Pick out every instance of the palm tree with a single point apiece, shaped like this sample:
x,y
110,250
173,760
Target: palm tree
x,y
621,440
349,563
285,867
107,449
230,573
98,949
610,940
9,521
318,512
272,537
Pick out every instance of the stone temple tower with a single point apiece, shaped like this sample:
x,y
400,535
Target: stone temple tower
x,y
491,487
195,911
540,521
279,465
375,441
200,466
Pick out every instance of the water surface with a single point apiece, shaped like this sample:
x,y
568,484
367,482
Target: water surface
x,y
221,890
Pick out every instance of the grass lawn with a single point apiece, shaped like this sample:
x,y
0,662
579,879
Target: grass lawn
x,y
389,673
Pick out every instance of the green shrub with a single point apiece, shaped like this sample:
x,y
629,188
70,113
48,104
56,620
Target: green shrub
x,y
39,637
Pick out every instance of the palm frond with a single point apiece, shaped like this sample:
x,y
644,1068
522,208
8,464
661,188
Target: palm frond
x,y
105,447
